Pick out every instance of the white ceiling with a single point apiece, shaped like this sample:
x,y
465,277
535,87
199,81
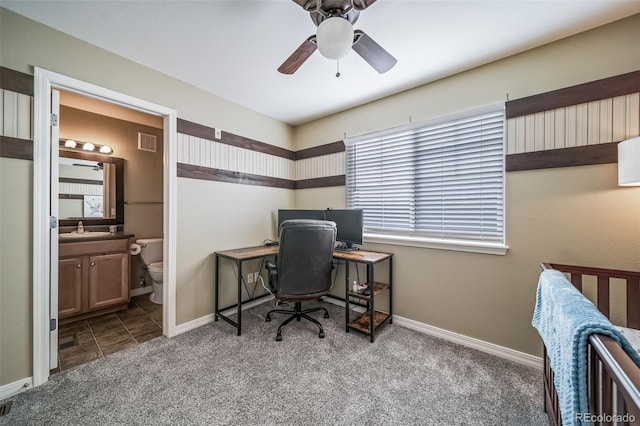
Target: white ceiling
x,y
233,48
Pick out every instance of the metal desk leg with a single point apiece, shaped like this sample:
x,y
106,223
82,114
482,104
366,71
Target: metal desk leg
x,y
391,290
346,295
371,308
216,303
239,263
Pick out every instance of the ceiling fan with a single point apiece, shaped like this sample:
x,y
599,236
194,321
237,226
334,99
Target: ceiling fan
x,y
335,36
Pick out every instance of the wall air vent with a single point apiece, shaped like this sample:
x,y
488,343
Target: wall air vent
x,y
147,142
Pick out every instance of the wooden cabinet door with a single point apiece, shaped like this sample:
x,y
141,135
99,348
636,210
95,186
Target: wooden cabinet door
x,y
69,286
108,280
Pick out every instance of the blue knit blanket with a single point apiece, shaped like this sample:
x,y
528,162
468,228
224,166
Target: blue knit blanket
x,y
565,319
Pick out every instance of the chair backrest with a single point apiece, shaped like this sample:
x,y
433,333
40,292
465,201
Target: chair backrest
x,y
305,259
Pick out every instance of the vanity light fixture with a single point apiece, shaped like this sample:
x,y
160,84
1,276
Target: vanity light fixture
x,y
85,146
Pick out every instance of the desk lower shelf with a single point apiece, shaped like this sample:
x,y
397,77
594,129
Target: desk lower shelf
x,y
377,289
363,321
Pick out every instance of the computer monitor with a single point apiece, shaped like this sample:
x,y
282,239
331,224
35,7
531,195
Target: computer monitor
x,y
350,226
286,214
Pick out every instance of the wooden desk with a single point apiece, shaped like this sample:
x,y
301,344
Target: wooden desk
x,y
239,256
370,258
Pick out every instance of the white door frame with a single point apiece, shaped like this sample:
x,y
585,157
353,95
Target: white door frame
x,y
44,81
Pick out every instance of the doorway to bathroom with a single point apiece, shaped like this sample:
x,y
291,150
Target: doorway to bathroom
x,y
46,137
120,188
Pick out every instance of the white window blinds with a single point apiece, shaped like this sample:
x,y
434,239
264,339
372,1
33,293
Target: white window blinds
x,y
443,179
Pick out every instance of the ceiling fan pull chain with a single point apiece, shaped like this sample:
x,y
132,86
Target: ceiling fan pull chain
x,y
337,68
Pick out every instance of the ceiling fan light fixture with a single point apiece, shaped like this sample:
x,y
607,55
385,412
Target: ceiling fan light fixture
x,y
334,37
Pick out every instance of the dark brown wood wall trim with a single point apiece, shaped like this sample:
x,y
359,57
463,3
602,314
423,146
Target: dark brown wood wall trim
x,y
16,81
317,151
565,157
82,181
207,173
618,85
321,182
205,132
21,149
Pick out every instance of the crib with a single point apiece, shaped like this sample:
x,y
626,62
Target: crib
x,y
613,380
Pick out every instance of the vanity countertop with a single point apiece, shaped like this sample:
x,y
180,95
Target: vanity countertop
x,y
99,236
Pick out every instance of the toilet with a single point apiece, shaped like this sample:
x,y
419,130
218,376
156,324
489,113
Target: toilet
x,y
151,254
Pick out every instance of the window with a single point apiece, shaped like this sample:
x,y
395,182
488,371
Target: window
x,y
439,183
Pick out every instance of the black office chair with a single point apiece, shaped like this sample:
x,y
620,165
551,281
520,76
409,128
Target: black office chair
x,y
303,270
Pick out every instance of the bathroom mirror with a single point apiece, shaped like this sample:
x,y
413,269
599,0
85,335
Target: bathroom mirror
x,y
91,189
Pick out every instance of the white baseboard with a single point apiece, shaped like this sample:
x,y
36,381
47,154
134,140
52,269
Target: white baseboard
x,y
471,342
140,291
461,339
207,319
11,389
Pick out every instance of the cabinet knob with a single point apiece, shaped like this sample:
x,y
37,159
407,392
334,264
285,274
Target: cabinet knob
x,y
78,266
93,263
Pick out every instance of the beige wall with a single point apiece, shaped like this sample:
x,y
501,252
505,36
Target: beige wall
x,y
143,172
573,215
229,216
16,181
26,44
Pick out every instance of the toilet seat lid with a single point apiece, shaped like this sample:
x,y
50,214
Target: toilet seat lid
x,y
156,267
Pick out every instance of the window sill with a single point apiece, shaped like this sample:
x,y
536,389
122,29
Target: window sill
x,y
441,244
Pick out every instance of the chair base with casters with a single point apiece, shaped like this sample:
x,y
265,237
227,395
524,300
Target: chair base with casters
x,y
297,313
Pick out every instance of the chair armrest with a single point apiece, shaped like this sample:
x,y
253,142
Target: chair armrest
x,y
271,267
273,274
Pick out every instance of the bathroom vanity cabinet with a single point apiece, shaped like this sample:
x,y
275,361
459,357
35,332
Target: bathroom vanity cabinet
x,y
93,278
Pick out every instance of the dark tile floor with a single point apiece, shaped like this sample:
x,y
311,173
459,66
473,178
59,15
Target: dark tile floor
x,y
82,341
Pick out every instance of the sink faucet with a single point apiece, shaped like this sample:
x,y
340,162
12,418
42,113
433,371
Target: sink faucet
x,y
80,228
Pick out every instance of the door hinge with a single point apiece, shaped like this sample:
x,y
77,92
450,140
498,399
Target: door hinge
x,y
54,120
53,222
52,324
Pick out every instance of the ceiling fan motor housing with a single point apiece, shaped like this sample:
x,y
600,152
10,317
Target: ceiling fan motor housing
x,y
334,8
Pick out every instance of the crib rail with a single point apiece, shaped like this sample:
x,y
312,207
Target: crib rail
x,y
613,382
604,277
